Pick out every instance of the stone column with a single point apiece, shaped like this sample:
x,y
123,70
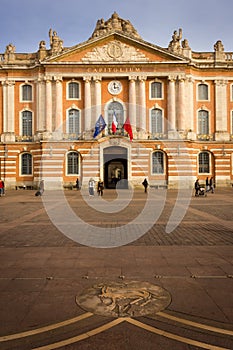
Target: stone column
x,y
98,105
48,104
58,106
171,107
40,106
8,111
189,118
132,102
221,133
142,103
87,103
181,104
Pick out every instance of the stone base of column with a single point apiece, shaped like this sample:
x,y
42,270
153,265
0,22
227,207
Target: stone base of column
x,y
222,136
8,137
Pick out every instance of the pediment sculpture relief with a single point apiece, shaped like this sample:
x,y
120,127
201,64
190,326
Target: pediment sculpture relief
x,y
115,51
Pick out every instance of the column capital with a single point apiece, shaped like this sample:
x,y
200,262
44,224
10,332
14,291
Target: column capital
x,y
97,78
87,79
142,78
47,78
8,82
58,78
132,78
172,78
219,82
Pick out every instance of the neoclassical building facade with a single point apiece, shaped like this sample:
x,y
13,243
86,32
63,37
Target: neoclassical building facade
x,y
179,104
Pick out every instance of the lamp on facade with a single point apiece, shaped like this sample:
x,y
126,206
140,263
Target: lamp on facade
x,y
50,151
6,152
223,151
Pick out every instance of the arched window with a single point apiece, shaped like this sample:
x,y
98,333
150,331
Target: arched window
x,y
156,90
73,125
73,163
158,162
204,162
203,122
203,92
156,121
26,164
26,92
26,123
117,108
73,90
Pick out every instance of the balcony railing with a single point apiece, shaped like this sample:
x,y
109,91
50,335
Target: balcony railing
x,y
24,138
205,137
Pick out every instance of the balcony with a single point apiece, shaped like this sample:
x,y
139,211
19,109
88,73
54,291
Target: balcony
x,y
24,138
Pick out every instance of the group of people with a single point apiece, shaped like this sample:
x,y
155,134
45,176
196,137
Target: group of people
x,y
91,187
209,187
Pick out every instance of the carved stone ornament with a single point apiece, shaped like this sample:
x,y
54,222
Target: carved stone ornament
x,y
124,299
115,51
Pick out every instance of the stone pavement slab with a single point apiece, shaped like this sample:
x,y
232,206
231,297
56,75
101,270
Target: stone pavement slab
x,y
42,271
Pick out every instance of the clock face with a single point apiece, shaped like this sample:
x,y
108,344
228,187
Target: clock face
x,y
114,87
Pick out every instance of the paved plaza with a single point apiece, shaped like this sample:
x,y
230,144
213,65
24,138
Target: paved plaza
x,y
43,272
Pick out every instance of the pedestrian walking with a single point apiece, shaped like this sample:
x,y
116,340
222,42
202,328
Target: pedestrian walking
x,y
207,185
196,187
145,185
77,184
2,188
41,189
212,185
100,187
91,187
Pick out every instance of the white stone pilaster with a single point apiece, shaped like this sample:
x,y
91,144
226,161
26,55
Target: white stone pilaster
x,y
58,105
171,106
48,105
181,104
8,111
221,110
40,106
98,106
87,103
132,102
142,103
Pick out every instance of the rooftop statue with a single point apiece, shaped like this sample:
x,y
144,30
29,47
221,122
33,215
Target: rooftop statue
x,y
115,23
174,45
56,43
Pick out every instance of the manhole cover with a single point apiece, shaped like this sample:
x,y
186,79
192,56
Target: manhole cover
x,y
124,299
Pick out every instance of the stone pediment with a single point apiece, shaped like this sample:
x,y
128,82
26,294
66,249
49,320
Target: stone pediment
x,y
115,51
115,47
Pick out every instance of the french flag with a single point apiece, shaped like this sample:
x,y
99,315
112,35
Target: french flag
x,y
114,123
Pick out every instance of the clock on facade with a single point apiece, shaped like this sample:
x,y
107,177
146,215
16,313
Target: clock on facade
x,y
114,87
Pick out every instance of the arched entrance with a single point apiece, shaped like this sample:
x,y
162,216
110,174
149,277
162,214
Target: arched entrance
x,y
115,167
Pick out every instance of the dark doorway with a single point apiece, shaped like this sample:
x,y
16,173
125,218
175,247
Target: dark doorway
x,y
115,167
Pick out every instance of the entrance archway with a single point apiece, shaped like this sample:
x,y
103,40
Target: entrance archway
x,y
115,167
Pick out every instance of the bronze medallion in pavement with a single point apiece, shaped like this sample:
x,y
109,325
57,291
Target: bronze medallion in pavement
x,y
124,299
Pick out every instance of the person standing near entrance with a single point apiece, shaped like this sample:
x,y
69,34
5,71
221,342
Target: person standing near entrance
x,y
145,185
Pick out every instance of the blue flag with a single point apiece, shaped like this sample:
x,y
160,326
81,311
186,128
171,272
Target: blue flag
x,y
99,125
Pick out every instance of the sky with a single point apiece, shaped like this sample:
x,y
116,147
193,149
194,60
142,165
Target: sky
x,y
24,23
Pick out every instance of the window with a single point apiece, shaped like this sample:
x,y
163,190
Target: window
x,y
73,90
203,92
204,163
156,90
26,123
73,121
156,121
231,122
26,164
158,162
73,163
117,108
203,122
26,92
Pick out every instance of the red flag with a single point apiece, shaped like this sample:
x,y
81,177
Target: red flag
x,y
114,123
127,127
